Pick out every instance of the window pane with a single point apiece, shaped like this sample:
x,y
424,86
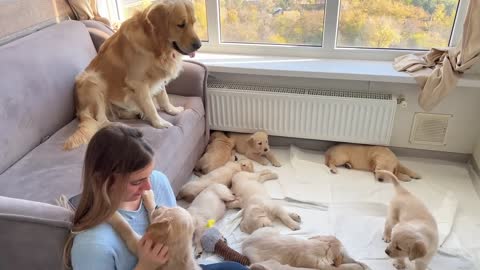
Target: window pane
x,y
297,22
129,7
407,24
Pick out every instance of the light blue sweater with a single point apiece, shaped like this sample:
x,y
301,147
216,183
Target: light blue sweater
x,y
102,248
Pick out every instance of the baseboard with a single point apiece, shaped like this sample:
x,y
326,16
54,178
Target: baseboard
x,y
474,172
408,152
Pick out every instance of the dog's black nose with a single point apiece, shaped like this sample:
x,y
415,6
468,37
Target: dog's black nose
x,y
157,206
387,251
380,179
266,149
196,45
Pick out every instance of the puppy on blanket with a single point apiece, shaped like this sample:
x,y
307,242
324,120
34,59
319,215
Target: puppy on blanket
x,y
259,210
219,152
222,175
367,158
255,147
290,252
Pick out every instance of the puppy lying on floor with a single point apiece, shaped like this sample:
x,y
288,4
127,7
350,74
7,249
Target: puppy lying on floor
x,y
410,229
218,153
209,204
254,147
274,265
258,209
367,158
222,175
173,227
318,252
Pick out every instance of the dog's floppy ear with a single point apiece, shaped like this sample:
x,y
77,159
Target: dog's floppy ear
x,y
251,140
157,18
159,231
417,251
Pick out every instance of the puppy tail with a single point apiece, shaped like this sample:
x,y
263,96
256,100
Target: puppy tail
x,y
85,131
402,169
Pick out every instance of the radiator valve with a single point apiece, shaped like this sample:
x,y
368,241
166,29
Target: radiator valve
x,y
402,101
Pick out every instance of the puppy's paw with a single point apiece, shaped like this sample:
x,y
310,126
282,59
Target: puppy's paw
x,y
276,163
294,226
295,217
348,166
172,110
399,265
160,123
386,238
264,162
334,170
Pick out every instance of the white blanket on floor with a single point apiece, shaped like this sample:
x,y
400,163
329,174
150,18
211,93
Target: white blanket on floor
x,y
351,206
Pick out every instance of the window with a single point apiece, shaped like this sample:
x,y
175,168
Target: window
x,y
405,24
354,29
272,22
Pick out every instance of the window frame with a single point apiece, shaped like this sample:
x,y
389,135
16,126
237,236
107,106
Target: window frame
x,y
328,48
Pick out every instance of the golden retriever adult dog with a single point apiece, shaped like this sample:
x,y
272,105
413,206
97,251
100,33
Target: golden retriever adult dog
x,y
317,252
410,229
255,147
222,175
367,158
209,204
218,153
128,76
259,210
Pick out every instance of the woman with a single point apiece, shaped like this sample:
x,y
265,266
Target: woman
x,y
118,168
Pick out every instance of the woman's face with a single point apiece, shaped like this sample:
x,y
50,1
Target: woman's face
x,y
138,182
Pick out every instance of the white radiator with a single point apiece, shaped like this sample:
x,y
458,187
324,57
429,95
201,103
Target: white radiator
x,y
322,114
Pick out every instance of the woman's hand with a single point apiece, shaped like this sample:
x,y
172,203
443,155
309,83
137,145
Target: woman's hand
x,y
150,255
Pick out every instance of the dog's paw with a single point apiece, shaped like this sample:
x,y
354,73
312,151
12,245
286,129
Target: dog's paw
x,y
399,265
160,123
276,164
172,110
334,170
386,238
295,217
348,166
294,226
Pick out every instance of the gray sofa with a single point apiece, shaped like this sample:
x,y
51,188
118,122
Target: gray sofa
x,y
36,116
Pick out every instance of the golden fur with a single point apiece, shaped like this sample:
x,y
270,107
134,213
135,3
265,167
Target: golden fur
x,y
410,229
255,147
259,210
317,252
209,204
274,265
218,153
222,175
127,77
367,158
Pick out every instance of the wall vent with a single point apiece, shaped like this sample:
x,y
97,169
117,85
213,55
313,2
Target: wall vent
x,y
430,129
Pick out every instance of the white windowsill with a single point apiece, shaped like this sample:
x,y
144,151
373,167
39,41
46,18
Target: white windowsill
x,y
361,70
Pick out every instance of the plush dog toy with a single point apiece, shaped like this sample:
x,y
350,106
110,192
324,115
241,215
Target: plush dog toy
x,y
214,242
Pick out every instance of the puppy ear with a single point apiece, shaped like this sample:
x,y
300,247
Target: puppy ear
x,y
251,141
417,251
159,231
157,18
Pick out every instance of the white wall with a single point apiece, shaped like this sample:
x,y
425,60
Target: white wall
x,y
463,130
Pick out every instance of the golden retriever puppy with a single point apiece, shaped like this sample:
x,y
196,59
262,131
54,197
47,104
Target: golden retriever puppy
x,y
127,77
410,229
259,210
209,204
218,153
222,175
255,147
318,252
367,158
274,265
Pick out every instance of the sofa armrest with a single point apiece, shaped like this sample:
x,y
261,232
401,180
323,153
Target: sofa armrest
x,y
191,82
99,32
33,234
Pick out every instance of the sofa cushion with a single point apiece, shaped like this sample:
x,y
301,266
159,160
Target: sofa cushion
x,y
47,171
37,75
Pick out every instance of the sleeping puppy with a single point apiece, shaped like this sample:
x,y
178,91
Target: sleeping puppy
x,y
259,210
274,265
218,153
367,158
222,175
209,204
254,147
410,229
318,252
127,78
